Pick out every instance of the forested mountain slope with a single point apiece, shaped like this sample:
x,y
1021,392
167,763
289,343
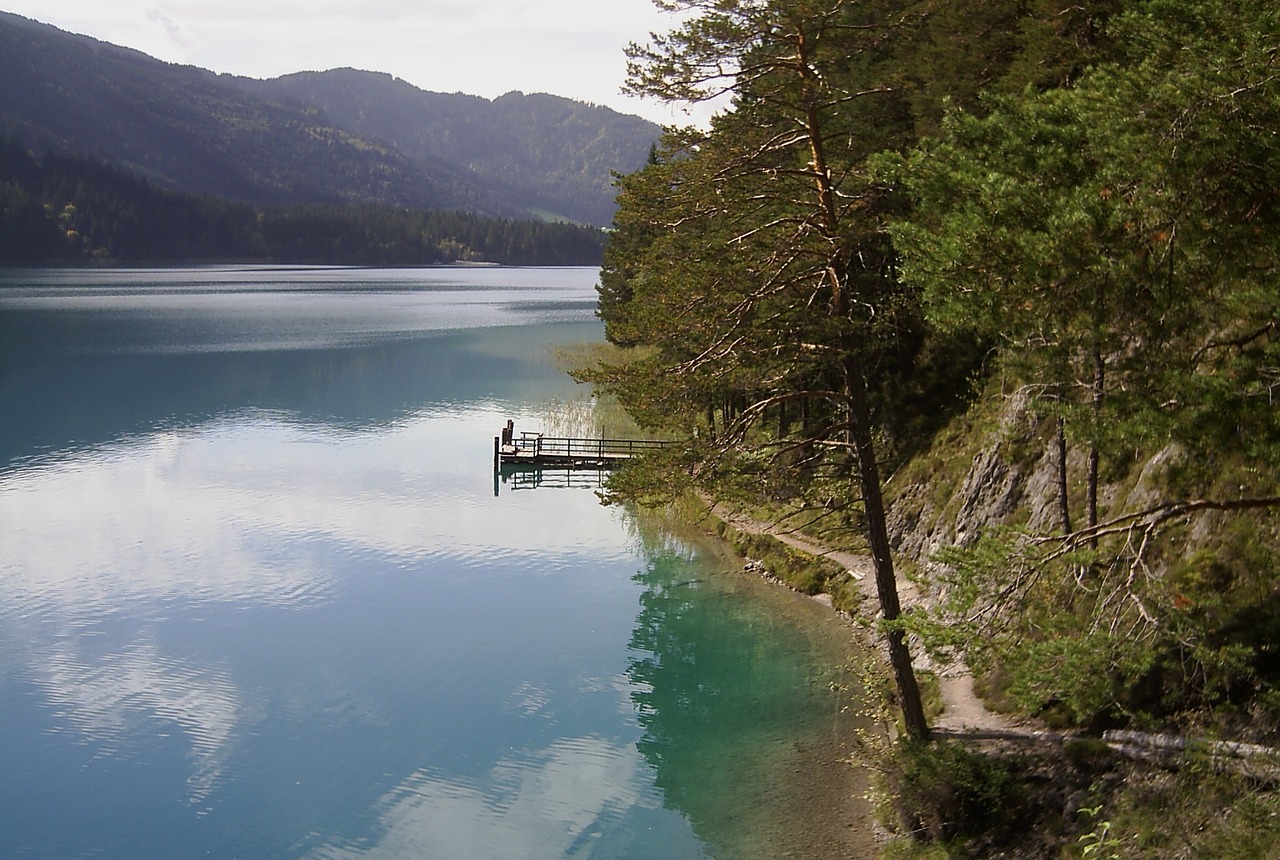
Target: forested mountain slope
x,y
550,154
66,209
188,129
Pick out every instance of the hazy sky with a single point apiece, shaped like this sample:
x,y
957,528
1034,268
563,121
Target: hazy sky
x,y
570,48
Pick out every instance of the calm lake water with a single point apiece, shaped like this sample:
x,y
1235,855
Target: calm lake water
x,y
260,599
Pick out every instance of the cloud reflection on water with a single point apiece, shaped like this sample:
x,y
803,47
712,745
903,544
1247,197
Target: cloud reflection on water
x,y
106,699
204,513
553,803
268,573
234,513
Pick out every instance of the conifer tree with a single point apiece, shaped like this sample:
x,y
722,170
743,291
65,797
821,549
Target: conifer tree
x,y
759,270
1119,237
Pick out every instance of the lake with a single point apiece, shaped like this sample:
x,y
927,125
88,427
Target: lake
x,y
262,595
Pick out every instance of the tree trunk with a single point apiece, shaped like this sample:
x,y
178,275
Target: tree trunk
x,y
877,534
1099,387
1064,506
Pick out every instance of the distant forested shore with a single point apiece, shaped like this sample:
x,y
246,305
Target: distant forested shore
x,y
66,209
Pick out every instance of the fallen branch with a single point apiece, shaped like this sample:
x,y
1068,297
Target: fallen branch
x,y
1251,760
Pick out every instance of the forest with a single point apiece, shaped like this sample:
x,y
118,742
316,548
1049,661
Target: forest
x,y
925,231
64,209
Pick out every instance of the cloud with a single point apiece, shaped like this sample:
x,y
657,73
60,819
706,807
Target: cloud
x,y
170,26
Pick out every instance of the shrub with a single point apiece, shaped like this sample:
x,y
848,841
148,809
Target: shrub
x,y
945,791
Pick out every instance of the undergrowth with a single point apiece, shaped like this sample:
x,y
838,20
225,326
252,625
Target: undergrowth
x,y
1077,800
798,570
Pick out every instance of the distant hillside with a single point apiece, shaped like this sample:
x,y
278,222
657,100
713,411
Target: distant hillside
x,y
187,129
340,137
66,209
551,154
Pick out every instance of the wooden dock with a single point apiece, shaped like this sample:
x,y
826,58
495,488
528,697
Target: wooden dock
x,y
566,452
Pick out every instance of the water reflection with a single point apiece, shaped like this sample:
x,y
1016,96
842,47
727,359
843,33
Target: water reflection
x,y
108,700
521,477
82,398
736,698
257,597
564,801
252,509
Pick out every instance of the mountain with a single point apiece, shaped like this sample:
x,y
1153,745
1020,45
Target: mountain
x,y
334,137
551,154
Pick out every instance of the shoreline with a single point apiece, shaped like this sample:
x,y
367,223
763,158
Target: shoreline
x,y
963,710
812,793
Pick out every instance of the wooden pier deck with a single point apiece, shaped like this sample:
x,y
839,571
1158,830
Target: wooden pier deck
x,y
566,452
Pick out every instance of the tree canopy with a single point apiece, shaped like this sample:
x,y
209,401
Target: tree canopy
x,y
908,204
1118,238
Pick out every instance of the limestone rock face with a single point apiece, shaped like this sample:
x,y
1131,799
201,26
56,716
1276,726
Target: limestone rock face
x,y
1012,480
998,486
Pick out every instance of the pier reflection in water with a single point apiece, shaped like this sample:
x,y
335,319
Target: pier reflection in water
x,y
518,477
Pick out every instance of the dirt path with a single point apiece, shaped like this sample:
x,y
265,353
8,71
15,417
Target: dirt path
x,y
963,710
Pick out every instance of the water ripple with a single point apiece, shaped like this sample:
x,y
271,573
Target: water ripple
x,y
109,700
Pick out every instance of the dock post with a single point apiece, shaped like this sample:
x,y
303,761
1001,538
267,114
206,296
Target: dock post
x,y
497,455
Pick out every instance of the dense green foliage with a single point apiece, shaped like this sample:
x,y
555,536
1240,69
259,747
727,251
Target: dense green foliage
x,y
318,138
1120,239
64,209
754,264
913,209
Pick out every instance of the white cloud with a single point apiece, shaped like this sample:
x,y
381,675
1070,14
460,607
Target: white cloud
x,y
170,26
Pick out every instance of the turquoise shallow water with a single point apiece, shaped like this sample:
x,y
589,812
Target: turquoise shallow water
x,y
259,598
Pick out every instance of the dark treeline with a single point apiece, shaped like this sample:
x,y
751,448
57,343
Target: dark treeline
x,y
67,209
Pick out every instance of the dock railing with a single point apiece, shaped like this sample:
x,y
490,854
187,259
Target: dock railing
x,y
574,448
537,449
